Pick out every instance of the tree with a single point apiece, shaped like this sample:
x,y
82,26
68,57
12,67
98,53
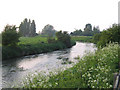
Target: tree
x,y
88,30
96,30
32,31
27,29
64,37
48,30
10,37
76,32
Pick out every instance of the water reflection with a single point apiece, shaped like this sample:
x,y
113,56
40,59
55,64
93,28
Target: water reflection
x,y
14,70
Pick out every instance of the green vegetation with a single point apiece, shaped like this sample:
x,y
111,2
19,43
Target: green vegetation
x,y
111,34
33,45
95,70
82,38
29,49
48,30
64,37
32,40
88,31
10,37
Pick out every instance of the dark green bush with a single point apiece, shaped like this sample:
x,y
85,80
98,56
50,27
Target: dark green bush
x,y
10,37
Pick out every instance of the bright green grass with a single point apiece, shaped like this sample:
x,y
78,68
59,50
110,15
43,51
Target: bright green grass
x,y
32,40
82,38
95,70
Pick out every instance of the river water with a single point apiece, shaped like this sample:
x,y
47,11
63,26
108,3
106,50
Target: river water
x,y
14,70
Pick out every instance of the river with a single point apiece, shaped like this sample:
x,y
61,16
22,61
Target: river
x,y
14,70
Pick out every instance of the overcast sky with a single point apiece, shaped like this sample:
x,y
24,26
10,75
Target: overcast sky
x,y
62,14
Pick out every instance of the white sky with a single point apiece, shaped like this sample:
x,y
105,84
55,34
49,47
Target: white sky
x,y
62,14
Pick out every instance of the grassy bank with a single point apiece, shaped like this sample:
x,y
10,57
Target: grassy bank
x,y
82,38
32,40
95,70
30,46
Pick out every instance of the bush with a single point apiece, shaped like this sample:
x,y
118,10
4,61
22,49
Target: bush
x,y
64,37
112,34
10,37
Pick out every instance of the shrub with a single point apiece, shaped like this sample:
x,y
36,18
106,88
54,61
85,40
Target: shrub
x,y
10,37
112,34
64,37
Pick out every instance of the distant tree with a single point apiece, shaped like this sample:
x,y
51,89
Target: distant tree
x,y
88,30
32,31
27,29
96,30
76,32
10,37
22,29
48,30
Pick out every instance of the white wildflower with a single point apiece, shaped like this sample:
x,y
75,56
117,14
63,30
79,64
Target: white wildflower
x,y
89,75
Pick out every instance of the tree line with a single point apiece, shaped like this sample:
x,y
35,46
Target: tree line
x,y
88,31
10,35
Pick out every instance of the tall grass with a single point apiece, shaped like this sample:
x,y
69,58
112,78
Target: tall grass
x,y
94,70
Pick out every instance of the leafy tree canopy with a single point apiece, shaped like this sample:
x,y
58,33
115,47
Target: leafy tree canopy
x,y
48,30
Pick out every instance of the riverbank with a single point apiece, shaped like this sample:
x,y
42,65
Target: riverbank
x,y
95,70
37,45
31,49
82,38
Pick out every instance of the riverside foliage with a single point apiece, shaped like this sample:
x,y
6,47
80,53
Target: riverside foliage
x,y
95,70
32,45
111,34
10,37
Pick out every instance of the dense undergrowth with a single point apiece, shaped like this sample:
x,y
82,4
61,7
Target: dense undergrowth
x,y
94,70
